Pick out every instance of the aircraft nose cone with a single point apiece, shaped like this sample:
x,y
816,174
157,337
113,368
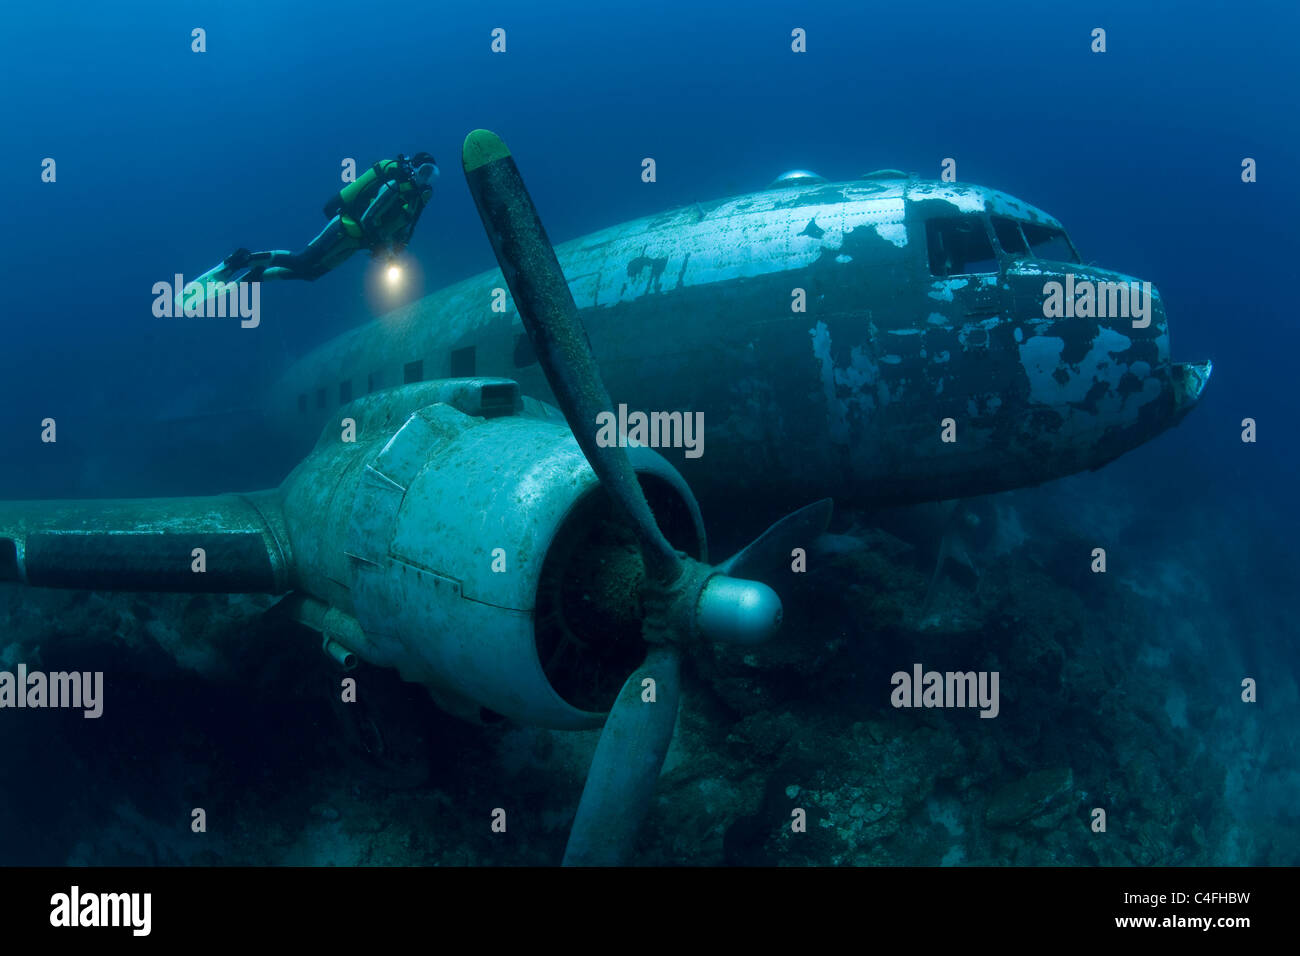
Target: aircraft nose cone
x,y
1189,379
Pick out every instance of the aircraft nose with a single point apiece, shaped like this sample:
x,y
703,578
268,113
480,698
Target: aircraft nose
x,y
1188,380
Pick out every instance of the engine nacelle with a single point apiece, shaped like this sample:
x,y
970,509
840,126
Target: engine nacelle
x,y
464,532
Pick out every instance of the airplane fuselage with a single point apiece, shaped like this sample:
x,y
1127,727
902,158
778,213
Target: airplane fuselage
x,y
881,340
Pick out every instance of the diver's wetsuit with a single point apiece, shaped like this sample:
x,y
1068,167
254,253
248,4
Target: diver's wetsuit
x,y
378,211
318,257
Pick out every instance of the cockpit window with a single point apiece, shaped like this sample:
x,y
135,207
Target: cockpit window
x,y
1048,242
959,245
1009,236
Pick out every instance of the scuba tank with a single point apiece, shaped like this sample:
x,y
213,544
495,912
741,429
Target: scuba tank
x,y
352,199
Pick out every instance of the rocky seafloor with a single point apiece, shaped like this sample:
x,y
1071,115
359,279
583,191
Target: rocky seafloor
x,y
1119,691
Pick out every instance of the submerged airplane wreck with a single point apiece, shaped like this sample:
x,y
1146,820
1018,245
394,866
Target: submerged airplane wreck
x,y
461,531
824,331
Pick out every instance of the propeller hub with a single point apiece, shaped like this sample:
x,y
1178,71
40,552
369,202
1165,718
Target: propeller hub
x,y
736,611
669,611
705,604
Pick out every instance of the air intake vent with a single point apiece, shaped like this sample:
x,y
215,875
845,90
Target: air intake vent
x,y
499,399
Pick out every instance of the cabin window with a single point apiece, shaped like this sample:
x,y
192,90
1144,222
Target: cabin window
x,y
524,354
960,245
1048,242
302,403
413,372
320,398
462,362
373,381
345,392
1009,236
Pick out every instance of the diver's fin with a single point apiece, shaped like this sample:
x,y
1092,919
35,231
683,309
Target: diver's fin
x,y
215,281
194,294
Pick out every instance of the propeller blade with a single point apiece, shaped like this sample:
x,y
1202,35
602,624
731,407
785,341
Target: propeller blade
x,y
743,610
550,317
770,551
626,766
682,599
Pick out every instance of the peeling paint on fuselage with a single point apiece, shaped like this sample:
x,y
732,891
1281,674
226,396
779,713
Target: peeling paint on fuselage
x,y
1050,382
960,197
1040,356
894,232
835,411
943,289
851,390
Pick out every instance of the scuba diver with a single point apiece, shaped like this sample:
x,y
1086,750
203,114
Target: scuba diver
x,y
377,212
